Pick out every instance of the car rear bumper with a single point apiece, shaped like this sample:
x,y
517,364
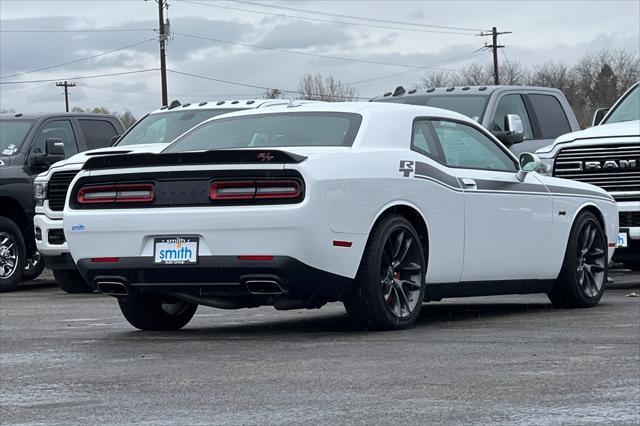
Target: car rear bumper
x,y
219,276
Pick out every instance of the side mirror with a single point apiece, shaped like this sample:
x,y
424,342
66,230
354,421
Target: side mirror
x,y
599,115
513,124
508,138
114,140
529,163
54,147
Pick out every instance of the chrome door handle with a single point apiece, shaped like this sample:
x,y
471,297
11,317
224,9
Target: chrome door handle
x,y
469,183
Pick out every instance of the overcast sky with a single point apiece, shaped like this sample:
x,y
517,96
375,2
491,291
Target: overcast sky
x,y
542,30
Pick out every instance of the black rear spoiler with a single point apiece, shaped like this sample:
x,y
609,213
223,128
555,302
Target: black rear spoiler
x,y
222,156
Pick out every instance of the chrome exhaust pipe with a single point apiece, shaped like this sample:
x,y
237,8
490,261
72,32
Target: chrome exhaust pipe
x,y
112,288
263,287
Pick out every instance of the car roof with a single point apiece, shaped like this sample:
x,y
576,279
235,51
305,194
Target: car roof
x,y
239,104
43,115
363,108
400,92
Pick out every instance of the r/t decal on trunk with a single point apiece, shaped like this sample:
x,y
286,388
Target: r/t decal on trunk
x,y
406,167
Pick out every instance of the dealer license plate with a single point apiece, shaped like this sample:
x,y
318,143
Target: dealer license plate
x,y
175,250
622,239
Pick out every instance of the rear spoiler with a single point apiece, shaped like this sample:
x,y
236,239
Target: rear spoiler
x,y
222,156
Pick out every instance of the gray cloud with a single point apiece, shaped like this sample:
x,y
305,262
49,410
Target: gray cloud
x,y
302,35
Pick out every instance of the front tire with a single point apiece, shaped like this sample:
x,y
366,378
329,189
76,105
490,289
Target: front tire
x,y
584,271
33,267
389,287
148,311
13,255
71,281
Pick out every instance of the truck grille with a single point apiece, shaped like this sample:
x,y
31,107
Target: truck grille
x,y
629,219
57,189
614,168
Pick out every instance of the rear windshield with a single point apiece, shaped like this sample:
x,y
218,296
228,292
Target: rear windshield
x,y
164,127
12,133
470,105
272,130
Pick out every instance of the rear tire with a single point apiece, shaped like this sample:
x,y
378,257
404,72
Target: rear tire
x,y
71,281
389,288
148,311
13,255
584,272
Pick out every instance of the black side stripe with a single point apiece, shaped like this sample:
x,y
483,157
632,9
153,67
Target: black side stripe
x,y
424,170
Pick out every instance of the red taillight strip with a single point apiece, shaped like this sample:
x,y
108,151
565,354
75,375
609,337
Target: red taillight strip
x,y
255,257
337,243
254,189
118,193
105,259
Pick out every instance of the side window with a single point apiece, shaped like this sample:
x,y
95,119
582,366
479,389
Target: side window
x,y
58,129
423,140
512,104
97,133
551,117
467,147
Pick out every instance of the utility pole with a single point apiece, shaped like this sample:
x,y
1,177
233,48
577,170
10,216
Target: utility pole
x,y
66,86
162,38
494,46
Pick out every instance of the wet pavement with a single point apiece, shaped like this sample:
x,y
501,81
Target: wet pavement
x,y
73,359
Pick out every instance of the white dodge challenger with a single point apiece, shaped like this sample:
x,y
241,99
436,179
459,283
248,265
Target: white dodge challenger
x,y
380,206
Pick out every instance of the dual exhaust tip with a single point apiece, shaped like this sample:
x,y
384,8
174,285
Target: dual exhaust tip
x,y
254,286
112,288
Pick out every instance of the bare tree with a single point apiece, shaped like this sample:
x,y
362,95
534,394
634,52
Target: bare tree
x,y
328,89
127,119
513,73
439,79
272,94
476,74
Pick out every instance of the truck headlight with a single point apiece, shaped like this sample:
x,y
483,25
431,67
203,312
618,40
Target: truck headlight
x,y
40,192
547,170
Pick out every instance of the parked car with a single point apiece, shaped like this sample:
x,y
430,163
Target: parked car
x,y
151,133
380,206
608,155
523,118
30,144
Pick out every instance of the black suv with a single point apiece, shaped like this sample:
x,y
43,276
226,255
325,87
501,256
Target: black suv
x,y
30,144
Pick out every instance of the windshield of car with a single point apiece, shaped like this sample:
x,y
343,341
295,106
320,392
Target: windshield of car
x,y
472,105
272,130
164,127
12,134
628,109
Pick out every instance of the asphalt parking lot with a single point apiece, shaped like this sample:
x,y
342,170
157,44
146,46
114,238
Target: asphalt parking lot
x,y
72,359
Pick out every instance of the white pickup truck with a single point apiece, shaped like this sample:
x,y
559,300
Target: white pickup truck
x,y
607,155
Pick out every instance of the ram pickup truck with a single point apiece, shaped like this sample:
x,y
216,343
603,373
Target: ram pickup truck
x,y
607,155
30,144
150,134
523,118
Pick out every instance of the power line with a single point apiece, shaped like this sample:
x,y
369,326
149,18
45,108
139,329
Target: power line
x,y
361,18
66,86
254,86
304,18
105,30
81,77
494,46
296,52
79,60
450,60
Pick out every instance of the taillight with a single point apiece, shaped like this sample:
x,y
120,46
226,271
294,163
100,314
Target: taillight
x,y
118,193
262,189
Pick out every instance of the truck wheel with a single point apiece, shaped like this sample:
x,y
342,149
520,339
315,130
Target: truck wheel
x,y
34,267
12,255
389,287
71,281
148,311
584,271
